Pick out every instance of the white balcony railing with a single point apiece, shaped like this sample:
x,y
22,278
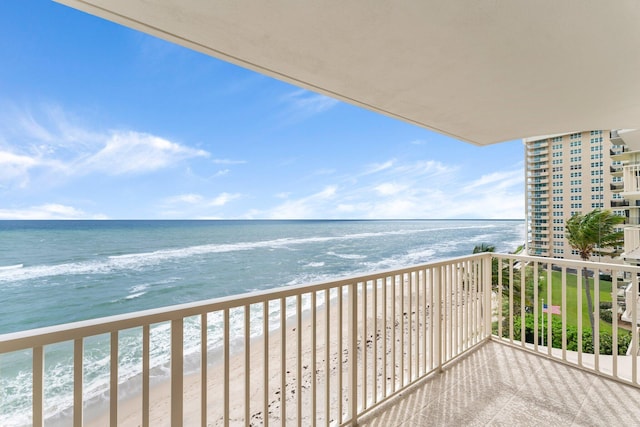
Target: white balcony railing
x,y
324,354
631,179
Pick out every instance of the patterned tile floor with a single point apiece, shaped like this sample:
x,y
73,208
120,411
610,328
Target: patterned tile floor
x,y
498,385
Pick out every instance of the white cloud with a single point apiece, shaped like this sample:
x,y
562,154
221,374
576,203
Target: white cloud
x,y
48,211
224,198
389,188
228,162
184,198
50,147
134,152
312,206
379,167
407,190
222,172
309,102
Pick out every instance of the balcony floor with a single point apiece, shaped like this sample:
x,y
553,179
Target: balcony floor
x,y
499,385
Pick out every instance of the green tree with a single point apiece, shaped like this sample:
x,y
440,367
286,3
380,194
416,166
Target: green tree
x,y
589,234
483,247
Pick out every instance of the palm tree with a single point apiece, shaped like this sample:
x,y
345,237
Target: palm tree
x,y
589,234
478,249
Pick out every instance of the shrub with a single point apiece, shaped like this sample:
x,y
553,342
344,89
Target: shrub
x,y
605,314
606,340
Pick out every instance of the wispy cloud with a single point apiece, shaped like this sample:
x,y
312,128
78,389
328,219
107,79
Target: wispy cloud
x,y
224,198
50,146
48,211
303,104
306,207
406,190
228,162
379,167
133,152
193,205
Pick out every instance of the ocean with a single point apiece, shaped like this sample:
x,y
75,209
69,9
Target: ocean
x,y
55,272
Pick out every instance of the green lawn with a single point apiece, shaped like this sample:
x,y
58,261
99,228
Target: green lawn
x,y
572,298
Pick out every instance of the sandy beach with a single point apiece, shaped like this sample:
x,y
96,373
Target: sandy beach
x,y
300,380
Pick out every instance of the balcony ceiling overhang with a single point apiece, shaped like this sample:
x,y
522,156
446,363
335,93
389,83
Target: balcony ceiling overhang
x,y
480,71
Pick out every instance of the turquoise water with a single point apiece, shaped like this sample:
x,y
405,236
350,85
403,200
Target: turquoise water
x,y
54,272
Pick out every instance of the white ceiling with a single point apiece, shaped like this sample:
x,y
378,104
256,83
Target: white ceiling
x,y
483,71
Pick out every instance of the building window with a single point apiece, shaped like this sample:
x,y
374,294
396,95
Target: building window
x,y
576,159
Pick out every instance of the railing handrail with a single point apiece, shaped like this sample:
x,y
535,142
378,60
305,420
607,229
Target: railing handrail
x,y
21,340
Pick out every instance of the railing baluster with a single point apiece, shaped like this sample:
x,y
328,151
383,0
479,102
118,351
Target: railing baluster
x,y
549,314
225,347
327,355
579,308
634,328
340,367
283,357
314,349
265,362
511,305
146,332
385,368
113,381
375,340
203,367
78,357
403,282
535,306
423,330
410,329
523,287
596,319
299,356
614,320
500,296
394,347
363,345
457,309
487,288
247,366
564,313
352,405
416,325
439,314
340,355
38,389
177,372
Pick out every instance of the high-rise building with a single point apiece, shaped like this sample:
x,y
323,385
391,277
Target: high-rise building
x,y
567,174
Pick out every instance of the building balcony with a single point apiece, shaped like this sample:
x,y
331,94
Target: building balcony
x,y
617,187
619,203
631,181
631,243
438,343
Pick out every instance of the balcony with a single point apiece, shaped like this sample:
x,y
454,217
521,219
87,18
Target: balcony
x,y
631,180
437,343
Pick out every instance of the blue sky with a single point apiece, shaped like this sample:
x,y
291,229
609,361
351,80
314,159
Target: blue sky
x,y
100,121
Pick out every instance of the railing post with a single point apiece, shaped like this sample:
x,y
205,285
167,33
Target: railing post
x,y
352,406
487,288
177,333
38,381
78,355
437,287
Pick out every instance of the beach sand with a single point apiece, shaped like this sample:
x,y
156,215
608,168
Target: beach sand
x,y
297,391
